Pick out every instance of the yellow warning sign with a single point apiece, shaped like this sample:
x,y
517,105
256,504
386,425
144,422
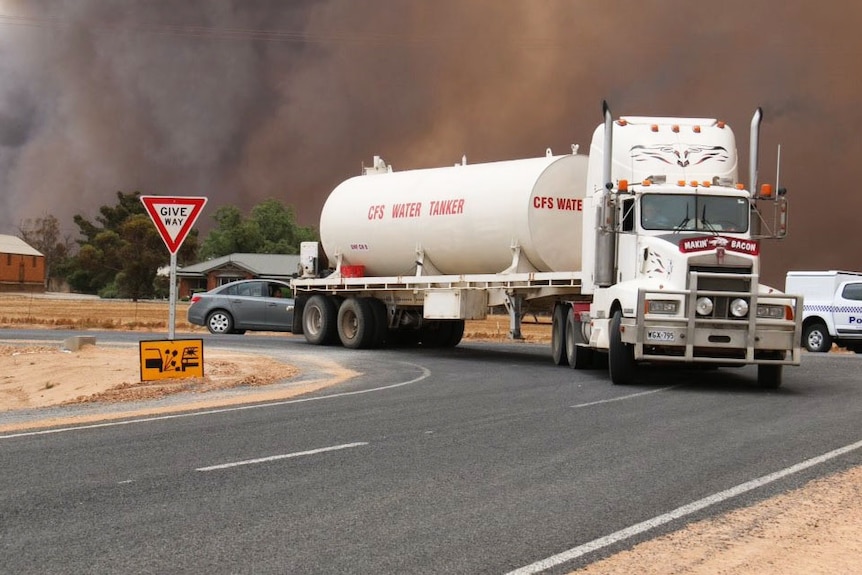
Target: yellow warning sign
x,y
163,359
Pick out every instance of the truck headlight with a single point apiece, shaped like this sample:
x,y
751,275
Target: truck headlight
x,y
663,306
770,311
703,306
739,307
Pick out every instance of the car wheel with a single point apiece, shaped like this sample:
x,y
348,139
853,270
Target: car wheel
x,y
219,322
816,338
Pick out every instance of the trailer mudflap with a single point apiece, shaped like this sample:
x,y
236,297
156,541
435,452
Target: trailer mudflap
x,y
455,304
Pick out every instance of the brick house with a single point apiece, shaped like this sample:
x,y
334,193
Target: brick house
x,y
22,267
212,273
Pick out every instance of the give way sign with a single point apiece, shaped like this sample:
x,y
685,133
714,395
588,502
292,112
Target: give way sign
x,y
174,217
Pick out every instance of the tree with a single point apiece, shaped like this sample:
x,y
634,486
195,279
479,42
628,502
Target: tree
x,y
122,252
44,235
270,228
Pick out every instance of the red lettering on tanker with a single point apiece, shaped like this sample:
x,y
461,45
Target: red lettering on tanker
x,y
446,207
570,204
561,204
375,212
706,243
408,210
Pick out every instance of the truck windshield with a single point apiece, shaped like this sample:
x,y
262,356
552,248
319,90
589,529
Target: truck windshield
x,y
685,212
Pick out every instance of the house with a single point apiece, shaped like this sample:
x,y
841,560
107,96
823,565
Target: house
x,y
22,267
212,273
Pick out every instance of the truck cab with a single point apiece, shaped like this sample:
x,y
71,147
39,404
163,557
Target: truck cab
x,y
832,309
676,252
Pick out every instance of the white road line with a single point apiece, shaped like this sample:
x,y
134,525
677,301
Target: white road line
x,y
624,397
679,512
425,373
284,456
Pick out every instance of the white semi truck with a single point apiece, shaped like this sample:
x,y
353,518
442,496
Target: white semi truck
x,y
645,250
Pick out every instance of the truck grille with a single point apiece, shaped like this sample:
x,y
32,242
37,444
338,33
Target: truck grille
x,y
723,283
728,283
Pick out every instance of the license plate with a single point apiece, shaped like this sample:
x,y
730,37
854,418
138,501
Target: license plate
x,y
660,335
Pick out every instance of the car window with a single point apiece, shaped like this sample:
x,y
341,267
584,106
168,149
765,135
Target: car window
x,y
278,290
253,289
853,291
229,290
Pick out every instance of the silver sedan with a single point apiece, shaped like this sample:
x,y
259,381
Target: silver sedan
x,y
254,305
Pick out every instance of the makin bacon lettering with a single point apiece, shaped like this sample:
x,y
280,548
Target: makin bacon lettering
x,y
705,243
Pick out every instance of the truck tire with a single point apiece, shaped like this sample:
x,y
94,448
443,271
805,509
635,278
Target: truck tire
x,y
356,325
319,319
435,333
816,338
769,375
381,322
457,333
621,356
558,335
578,357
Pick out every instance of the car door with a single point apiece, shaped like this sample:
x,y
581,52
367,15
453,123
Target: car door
x,y
248,305
279,308
848,308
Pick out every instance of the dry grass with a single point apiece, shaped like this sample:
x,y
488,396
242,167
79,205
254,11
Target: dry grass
x,y
49,311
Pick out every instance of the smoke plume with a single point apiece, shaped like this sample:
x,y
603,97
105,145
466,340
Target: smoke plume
x,y
246,100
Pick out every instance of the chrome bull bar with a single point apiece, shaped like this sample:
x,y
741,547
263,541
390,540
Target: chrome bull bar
x,y
690,338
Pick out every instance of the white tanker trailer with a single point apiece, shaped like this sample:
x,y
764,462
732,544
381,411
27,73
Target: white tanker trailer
x,y
647,250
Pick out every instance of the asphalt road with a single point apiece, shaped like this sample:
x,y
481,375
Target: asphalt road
x,y
481,459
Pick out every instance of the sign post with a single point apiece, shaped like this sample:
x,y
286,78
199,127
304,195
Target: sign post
x,y
174,218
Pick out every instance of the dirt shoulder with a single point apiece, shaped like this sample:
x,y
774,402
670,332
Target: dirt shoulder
x,y
815,529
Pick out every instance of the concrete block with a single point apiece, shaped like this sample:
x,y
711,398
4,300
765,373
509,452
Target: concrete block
x,y
76,342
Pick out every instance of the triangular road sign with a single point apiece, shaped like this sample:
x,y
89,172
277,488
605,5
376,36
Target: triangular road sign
x,y
173,216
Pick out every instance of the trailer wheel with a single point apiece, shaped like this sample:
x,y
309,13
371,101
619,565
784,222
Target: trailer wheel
x,y
457,333
381,322
442,333
621,356
769,375
319,320
578,357
437,333
355,323
558,335
816,338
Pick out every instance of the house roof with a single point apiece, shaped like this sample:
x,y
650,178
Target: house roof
x,y
15,245
261,265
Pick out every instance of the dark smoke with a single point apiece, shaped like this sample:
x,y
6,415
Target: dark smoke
x,y
240,101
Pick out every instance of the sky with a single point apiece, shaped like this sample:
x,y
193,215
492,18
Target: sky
x,y
245,100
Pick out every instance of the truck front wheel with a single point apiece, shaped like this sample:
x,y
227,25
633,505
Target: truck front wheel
x,y
769,376
621,356
816,338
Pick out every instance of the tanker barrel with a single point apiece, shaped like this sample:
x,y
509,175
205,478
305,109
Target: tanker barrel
x,y
465,219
